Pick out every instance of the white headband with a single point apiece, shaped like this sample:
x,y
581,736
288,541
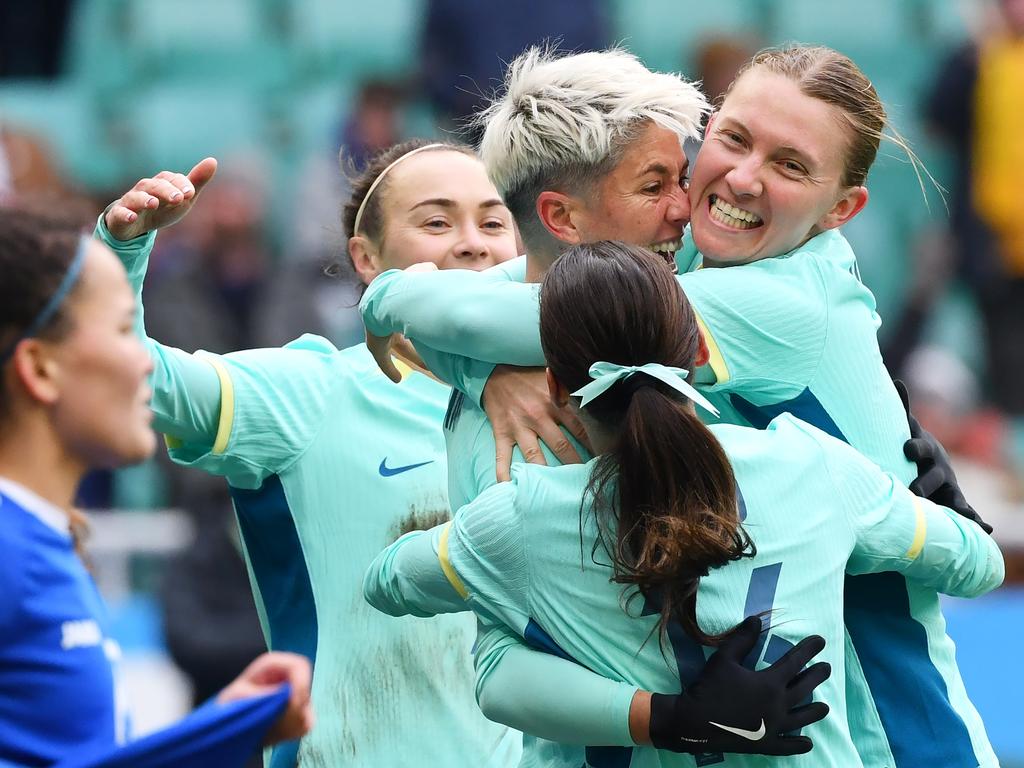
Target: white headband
x,y
377,181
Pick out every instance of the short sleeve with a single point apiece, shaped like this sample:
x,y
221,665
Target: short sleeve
x,y
271,406
484,558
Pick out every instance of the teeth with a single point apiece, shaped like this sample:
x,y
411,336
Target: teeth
x,y
669,246
732,216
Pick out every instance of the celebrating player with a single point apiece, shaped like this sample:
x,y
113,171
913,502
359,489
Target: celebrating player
x,y
789,325
327,462
73,397
663,507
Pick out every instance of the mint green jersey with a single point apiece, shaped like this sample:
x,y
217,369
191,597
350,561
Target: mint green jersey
x,y
791,334
327,462
516,555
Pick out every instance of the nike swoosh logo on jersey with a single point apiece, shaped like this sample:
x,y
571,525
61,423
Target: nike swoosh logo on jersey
x,y
386,471
749,735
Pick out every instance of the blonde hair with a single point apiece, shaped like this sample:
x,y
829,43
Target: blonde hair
x,y
827,75
563,122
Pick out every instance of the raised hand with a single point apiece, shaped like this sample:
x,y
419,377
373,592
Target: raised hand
x,y
157,202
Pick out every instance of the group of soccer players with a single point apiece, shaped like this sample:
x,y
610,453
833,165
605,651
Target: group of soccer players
x,y
657,604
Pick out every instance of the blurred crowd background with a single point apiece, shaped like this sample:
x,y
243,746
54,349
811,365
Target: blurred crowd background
x,y
95,94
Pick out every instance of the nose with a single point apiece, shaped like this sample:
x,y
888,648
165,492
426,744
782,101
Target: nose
x,y
678,211
744,179
471,244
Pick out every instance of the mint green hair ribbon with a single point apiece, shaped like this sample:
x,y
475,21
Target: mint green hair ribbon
x,y
604,375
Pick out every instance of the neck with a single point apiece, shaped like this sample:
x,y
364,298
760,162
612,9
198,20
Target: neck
x,y
600,437
537,265
30,457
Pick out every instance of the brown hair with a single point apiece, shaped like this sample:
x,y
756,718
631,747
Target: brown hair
x,y
35,253
360,181
664,496
36,250
833,78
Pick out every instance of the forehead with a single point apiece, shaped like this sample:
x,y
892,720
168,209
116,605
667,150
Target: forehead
x,y
654,147
442,174
773,107
103,281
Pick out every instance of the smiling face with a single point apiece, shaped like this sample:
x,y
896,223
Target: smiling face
x,y
101,409
643,200
768,176
438,206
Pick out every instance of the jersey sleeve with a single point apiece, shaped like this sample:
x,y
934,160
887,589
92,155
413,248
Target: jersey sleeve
x,y
479,315
407,578
186,389
894,530
547,696
271,407
765,335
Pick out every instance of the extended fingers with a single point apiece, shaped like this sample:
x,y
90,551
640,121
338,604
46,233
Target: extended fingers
x,y
800,717
796,658
801,687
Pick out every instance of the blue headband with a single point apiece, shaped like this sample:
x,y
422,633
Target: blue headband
x,y
48,311
604,375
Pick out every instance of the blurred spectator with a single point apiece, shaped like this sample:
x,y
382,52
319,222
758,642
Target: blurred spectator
x,y
373,122
33,34
467,44
718,60
977,104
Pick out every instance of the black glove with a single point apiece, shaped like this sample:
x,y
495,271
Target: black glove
x,y
730,708
936,480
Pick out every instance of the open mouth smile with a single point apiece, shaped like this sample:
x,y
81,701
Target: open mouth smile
x,y
730,216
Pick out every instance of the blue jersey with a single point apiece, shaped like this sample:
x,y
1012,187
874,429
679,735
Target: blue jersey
x,y
58,685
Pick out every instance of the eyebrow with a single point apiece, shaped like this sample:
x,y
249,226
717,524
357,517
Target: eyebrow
x,y
445,202
785,149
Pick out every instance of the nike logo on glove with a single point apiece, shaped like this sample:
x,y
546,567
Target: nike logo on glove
x,y
749,735
386,471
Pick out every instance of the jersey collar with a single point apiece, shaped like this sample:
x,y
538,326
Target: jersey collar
x,y
47,513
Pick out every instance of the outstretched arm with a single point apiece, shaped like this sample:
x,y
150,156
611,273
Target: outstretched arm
x,y
425,572
186,388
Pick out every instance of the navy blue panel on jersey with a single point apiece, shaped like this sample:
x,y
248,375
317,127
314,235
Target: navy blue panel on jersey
x,y
275,554
907,689
804,406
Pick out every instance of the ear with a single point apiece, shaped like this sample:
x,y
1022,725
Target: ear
x,y
556,212
703,353
557,391
37,371
365,258
849,205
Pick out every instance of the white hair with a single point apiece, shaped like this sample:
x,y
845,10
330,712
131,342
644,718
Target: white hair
x,y
578,111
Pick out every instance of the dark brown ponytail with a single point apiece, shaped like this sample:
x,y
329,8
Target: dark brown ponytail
x,y
664,496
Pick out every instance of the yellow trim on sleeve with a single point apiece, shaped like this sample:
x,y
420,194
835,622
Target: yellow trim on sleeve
x,y
446,565
920,531
403,367
715,359
172,442
227,405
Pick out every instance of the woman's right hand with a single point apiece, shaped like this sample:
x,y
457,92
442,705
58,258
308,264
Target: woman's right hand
x,y
265,675
157,202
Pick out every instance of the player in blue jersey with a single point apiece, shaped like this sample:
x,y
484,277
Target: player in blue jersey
x,y
73,396
789,325
660,545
